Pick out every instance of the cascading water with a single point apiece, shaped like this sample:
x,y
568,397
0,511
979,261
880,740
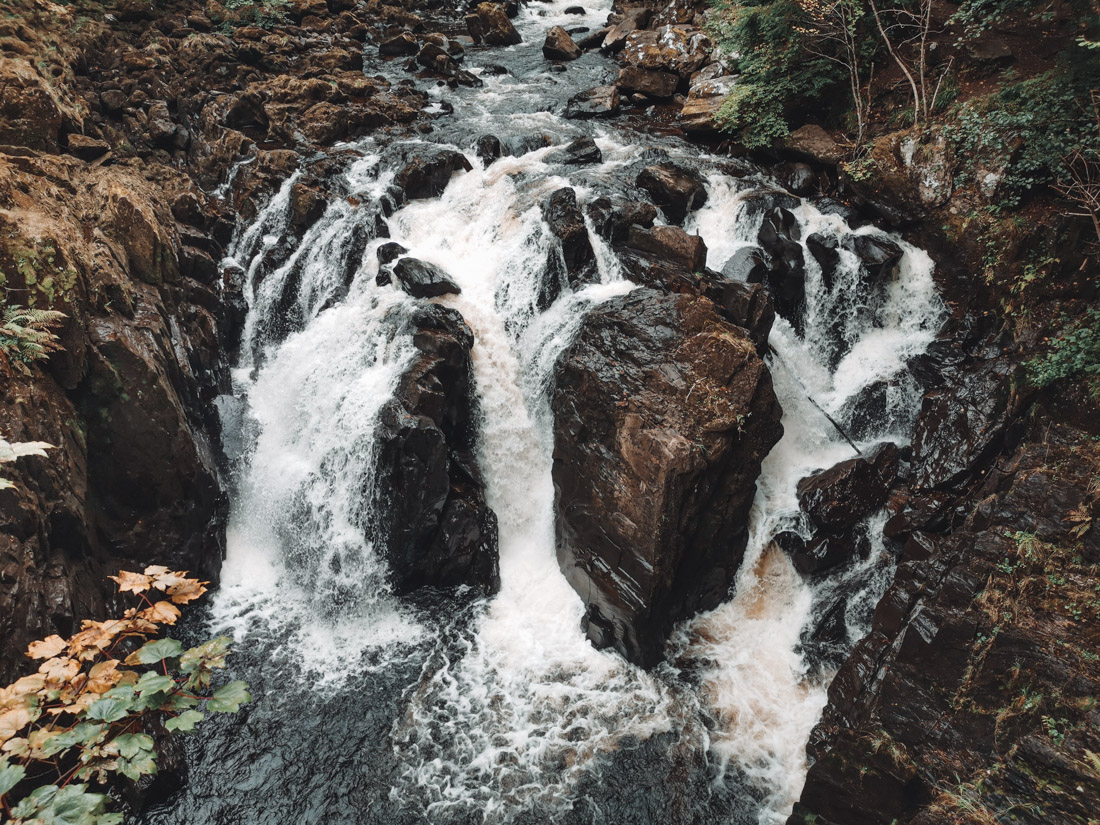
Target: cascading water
x,y
438,709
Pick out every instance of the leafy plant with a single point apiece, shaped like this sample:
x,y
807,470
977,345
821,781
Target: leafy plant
x,y
26,335
1074,353
83,718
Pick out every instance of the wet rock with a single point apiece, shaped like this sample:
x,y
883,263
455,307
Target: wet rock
x,y
613,220
490,25
579,152
824,249
634,18
307,204
785,277
29,114
663,412
839,497
601,101
489,149
676,190
747,305
427,175
797,178
825,552
575,10
573,261
435,527
559,45
670,245
423,280
403,45
963,423
879,256
390,252
748,264
652,83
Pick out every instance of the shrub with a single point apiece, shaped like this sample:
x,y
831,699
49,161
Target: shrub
x,y
66,730
26,335
1075,353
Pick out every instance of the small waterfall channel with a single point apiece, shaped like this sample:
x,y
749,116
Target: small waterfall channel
x,y
445,708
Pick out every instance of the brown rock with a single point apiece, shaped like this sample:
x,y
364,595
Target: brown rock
x,y
670,244
812,143
663,412
87,148
493,26
648,82
559,45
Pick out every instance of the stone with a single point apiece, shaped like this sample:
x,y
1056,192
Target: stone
x,y
489,149
649,82
601,101
613,220
812,143
634,18
493,26
435,526
574,260
403,45
559,45
87,148
669,244
389,252
427,175
422,279
679,50
663,412
839,497
579,152
676,190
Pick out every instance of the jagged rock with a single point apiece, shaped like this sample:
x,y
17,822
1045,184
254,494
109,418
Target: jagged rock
x,y
613,220
748,264
824,249
601,101
648,82
29,114
579,152
663,412
87,148
797,178
824,552
423,280
490,24
785,276
669,245
559,45
747,305
839,497
427,175
679,50
634,18
435,526
880,257
574,261
678,191
705,97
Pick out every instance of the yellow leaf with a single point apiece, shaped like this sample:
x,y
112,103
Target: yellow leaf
x,y
131,582
17,693
12,721
59,670
47,648
103,676
168,578
156,570
164,612
187,591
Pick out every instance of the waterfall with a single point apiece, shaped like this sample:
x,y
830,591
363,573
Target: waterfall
x,y
440,709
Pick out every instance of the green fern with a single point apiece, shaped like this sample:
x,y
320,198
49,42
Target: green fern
x,y
26,335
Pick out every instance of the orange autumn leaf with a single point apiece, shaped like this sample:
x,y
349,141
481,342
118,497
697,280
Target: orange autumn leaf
x,y
46,648
59,670
163,579
163,612
187,591
131,582
103,676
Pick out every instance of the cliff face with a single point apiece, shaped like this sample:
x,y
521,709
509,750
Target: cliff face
x,y
116,121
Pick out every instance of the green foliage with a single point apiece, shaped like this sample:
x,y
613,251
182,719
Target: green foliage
x,y
66,730
1029,128
978,16
1074,353
26,335
262,13
778,71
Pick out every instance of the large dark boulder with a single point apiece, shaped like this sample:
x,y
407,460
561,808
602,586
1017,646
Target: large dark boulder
x,y
422,279
489,24
559,45
785,276
579,152
663,412
572,260
612,220
427,175
433,524
839,497
598,102
678,191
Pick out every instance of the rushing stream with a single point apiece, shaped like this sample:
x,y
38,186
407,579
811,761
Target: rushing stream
x,y
440,708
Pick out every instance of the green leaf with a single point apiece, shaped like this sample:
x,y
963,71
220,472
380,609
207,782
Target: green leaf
x,y
152,652
109,709
229,698
10,776
209,655
130,745
185,722
152,682
73,805
179,701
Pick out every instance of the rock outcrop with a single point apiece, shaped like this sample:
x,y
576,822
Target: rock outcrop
x,y
663,413
433,521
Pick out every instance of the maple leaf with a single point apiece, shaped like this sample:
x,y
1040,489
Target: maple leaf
x,y
12,721
163,612
156,570
17,693
169,578
131,582
103,676
94,638
47,648
187,591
